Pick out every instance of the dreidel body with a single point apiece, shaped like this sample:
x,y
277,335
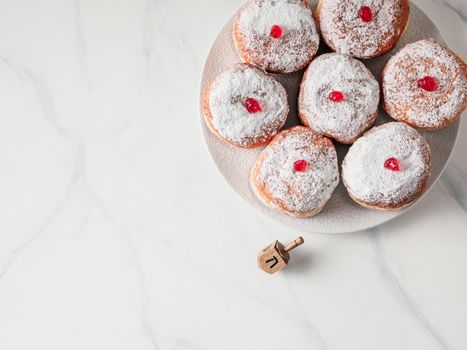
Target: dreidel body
x,y
276,256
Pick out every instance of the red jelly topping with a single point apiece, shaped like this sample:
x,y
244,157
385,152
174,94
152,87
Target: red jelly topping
x,y
365,14
428,84
276,31
336,96
252,105
392,164
300,166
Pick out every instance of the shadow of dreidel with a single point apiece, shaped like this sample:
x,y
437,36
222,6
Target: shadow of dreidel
x,y
275,256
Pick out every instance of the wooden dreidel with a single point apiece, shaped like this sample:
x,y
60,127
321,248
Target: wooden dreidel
x,y
275,256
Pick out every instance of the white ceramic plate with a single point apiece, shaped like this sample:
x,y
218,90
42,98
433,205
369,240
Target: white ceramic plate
x,y
340,214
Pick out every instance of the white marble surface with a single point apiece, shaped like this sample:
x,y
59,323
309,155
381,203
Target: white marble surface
x,y
117,232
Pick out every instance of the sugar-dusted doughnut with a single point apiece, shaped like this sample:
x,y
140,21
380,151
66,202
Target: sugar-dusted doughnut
x,y
362,28
338,97
245,106
296,173
277,35
425,85
388,168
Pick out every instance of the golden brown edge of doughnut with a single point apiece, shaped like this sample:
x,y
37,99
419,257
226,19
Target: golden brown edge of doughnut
x,y
402,23
244,53
236,36
378,207
304,119
261,195
403,116
422,187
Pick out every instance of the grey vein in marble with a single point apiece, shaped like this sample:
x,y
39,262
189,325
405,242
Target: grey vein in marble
x,y
45,97
80,41
44,226
184,344
455,180
131,223
309,330
112,217
149,31
396,289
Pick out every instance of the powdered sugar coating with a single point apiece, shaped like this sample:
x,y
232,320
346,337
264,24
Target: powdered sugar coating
x,y
275,181
405,101
345,120
345,32
228,114
291,52
368,181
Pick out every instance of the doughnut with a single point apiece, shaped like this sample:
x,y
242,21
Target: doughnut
x,y
388,168
279,36
338,97
245,106
362,28
425,85
296,173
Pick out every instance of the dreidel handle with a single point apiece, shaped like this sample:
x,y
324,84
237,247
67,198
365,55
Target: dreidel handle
x,y
294,244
